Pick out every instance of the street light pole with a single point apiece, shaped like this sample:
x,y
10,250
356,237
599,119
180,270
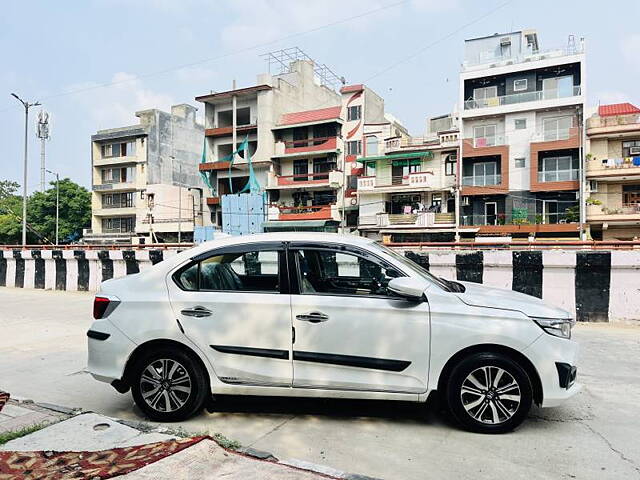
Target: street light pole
x,y
57,204
26,106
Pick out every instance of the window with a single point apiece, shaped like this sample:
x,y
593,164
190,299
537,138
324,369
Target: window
x,y
450,164
323,165
372,145
484,135
556,128
520,123
370,169
520,85
327,272
117,200
485,173
520,162
558,169
558,87
484,93
300,170
241,272
354,113
118,224
110,150
118,175
354,147
627,146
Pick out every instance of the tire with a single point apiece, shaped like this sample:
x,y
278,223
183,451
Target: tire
x,y
169,376
489,407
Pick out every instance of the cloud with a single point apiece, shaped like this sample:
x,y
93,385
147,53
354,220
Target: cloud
x,y
611,96
115,105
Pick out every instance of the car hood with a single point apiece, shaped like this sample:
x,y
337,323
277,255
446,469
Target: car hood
x,y
478,295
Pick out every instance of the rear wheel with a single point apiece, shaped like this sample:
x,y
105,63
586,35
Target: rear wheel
x,y
489,393
169,385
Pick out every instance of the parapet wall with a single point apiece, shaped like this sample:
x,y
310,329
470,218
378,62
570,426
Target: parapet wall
x,y
595,285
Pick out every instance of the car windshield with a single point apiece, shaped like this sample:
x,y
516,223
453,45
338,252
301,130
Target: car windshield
x,y
446,285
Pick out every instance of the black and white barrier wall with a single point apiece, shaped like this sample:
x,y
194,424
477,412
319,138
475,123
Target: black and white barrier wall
x,y
596,285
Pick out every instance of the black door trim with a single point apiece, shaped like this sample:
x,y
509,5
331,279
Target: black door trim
x,y
252,352
352,361
97,335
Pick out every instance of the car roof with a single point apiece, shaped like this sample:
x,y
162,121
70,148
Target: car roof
x,y
286,237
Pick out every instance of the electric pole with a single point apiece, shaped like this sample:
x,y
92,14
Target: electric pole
x,y
26,106
57,204
43,133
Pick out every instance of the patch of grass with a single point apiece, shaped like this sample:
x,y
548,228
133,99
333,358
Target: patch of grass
x,y
13,434
224,442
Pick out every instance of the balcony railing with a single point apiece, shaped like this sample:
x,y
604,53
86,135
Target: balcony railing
x,y
489,58
555,135
301,178
558,176
421,219
481,180
521,98
415,179
315,212
492,141
627,162
503,219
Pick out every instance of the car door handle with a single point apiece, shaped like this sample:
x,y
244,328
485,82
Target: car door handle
x,y
313,317
197,311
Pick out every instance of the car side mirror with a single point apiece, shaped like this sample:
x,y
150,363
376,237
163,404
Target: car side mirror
x,y
407,287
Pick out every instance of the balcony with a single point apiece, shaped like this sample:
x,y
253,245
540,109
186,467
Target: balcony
x,y
406,182
612,168
310,145
627,212
571,175
493,141
524,97
315,212
487,60
482,180
100,187
227,130
506,224
421,219
322,179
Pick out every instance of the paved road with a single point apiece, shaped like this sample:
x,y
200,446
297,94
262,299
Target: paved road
x,y
595,435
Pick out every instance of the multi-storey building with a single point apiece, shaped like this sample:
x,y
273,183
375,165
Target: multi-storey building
x,y
304,137
521,116
141,176
613,172
406,191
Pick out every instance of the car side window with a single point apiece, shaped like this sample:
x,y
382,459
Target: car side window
x,y
255,271
342,273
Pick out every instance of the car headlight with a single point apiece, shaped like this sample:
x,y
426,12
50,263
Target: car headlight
x,y
559,327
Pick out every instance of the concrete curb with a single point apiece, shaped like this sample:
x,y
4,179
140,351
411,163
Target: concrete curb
x,y
145,427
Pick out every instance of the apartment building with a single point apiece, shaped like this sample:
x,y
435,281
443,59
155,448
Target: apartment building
x,y
407,188
146,184
305,129
613,172
521,117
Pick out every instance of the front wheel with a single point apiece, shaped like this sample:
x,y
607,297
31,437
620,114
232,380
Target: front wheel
x,y
489,393
169,385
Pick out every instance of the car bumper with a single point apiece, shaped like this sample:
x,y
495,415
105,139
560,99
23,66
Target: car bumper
x,y
109,350
555,360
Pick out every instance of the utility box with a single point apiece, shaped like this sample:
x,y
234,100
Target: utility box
x,y
243,213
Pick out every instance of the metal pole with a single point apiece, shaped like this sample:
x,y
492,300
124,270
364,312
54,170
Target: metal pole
x,y
57,208
24,181
458,176
582,210
180,203
42,168
343,220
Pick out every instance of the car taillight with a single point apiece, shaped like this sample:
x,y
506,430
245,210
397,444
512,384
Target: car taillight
x,y
100,305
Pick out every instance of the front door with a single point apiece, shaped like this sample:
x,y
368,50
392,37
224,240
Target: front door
x,y
490,213
351,333
233,304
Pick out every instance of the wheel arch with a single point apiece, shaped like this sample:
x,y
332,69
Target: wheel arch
x,y
143,348
515,355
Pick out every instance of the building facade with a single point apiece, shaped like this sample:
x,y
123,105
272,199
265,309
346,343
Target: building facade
x,y
146,187
613,172
406,191
521,132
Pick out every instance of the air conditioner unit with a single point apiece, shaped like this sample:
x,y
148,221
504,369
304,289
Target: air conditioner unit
x,y
634,151
593,186
465,202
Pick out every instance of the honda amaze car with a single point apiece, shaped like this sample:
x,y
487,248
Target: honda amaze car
x,y
326,315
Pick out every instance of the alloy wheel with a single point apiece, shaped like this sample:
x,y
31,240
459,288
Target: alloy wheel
x,y
490,395
165,385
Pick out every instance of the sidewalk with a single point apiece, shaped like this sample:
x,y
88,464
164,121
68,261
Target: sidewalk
x,y
91,446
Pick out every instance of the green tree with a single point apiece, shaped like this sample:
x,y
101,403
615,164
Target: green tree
x,y
75,211
10,209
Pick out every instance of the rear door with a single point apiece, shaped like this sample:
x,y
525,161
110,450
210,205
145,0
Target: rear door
x,y
234,304
351,333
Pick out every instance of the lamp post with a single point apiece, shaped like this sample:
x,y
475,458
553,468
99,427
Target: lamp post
x,y
57,203
26,106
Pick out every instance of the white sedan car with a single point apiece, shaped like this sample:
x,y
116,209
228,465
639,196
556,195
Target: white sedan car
x,y
324,315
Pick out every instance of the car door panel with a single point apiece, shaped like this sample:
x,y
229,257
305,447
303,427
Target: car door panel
x,y
365,342
246,334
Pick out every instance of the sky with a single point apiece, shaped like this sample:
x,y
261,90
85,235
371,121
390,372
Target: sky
x,y
94,63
